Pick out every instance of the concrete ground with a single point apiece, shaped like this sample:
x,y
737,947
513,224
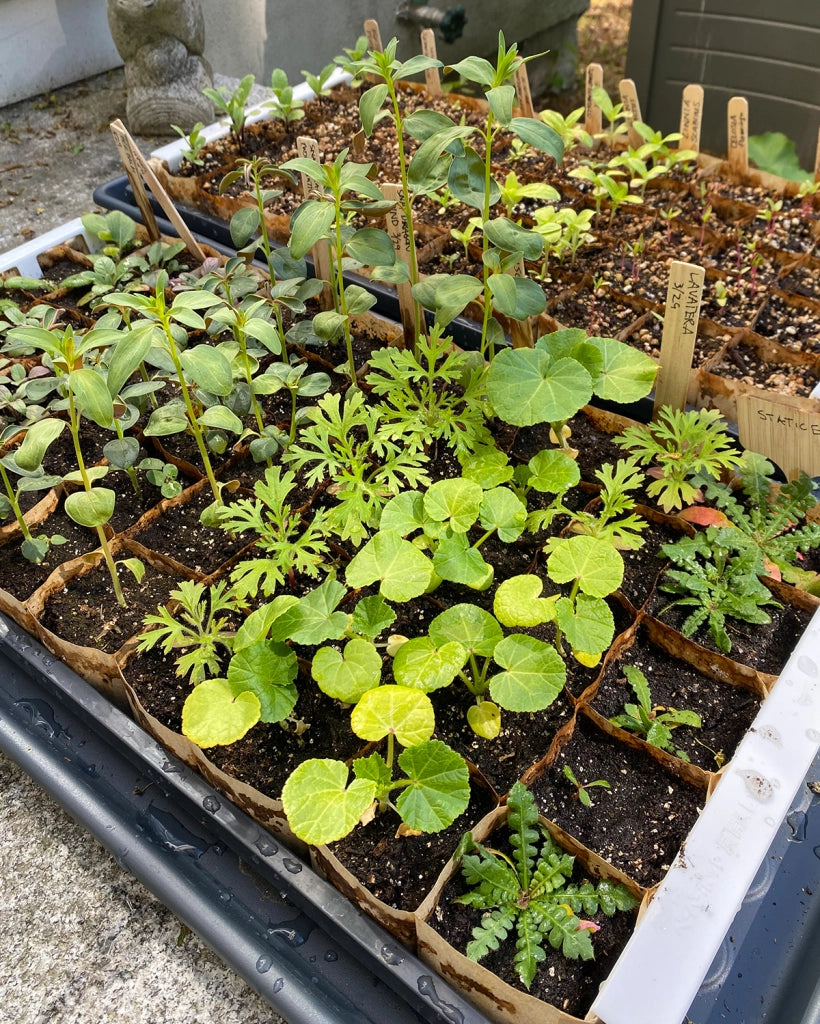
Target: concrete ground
x,y
82,941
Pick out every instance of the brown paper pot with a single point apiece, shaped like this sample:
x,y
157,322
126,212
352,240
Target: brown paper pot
x,y
499,1001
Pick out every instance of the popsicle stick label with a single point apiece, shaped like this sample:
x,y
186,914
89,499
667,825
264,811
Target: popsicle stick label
x,y
691,116
632,106
592,112
738,134
787,434
401,236
522,91
374,42
308,149
680,328
139,171
817,158
428,48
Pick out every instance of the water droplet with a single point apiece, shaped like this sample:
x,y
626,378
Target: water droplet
x,y
264,964
170,767
312,959
293,866
807,665
758,787
797,822
331,956
267,847
447,1011
210,803
391,955
224,896
278,985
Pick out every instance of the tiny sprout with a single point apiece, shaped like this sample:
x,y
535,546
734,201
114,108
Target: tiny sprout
x,y
581,788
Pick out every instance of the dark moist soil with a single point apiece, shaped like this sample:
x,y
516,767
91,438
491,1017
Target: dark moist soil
x,y
726,711
766,649
638,824
568,984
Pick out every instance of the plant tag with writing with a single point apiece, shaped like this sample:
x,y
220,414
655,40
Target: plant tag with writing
x,y
631,104
522,91
401,235
784,429
592,112
691,115
308,148
680,328
738,134
374,42
139,171
428,48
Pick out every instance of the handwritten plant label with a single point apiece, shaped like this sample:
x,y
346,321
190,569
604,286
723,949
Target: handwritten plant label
x,y
401,236
374,42
308,149
522,91
786,433
691,115
139,171
738,134
592,112
632,106
428,48
680,328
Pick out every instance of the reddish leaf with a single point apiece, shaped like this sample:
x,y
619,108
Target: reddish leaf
x,y
704,516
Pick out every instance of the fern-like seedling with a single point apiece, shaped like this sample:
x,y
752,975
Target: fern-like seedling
x,y
654,724
531,891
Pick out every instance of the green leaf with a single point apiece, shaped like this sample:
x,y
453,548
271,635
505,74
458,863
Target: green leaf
x,y
423,665
347,677
213,714
402,570
319,805
553,471
370,103
168,419
311,221
122,452
39,436
535,673
328,324
776,153
401,710
221,418
475,629
518,602
447,295
268,670
439,788
358,300
313,618
92,395
592,561
403,514
587,624
526,387
512,237
535,133
371,616
475,69
455,502
455,560
372,247
209,368
467,182
626,375
501,100
484,719
91,508
244,225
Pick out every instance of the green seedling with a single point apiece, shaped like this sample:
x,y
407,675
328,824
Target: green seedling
x,y
283,106
531,891
26,464
654,724
232,103
582,789
194,141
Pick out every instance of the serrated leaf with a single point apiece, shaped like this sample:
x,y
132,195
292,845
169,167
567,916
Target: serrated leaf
x,y
371,616
439,788
455,560
455,502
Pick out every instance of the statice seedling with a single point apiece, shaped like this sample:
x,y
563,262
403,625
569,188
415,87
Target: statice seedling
x,y
531,890
655,724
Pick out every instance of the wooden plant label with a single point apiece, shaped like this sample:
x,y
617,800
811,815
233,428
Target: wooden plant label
x,y
139,171
691,115
592,112
428,48
631,104
738,134
308,149
401,236
680,328
522,91
786,433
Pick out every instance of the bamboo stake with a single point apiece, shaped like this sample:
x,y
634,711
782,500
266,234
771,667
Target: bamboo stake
x,y
401,235
680,328
523,92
